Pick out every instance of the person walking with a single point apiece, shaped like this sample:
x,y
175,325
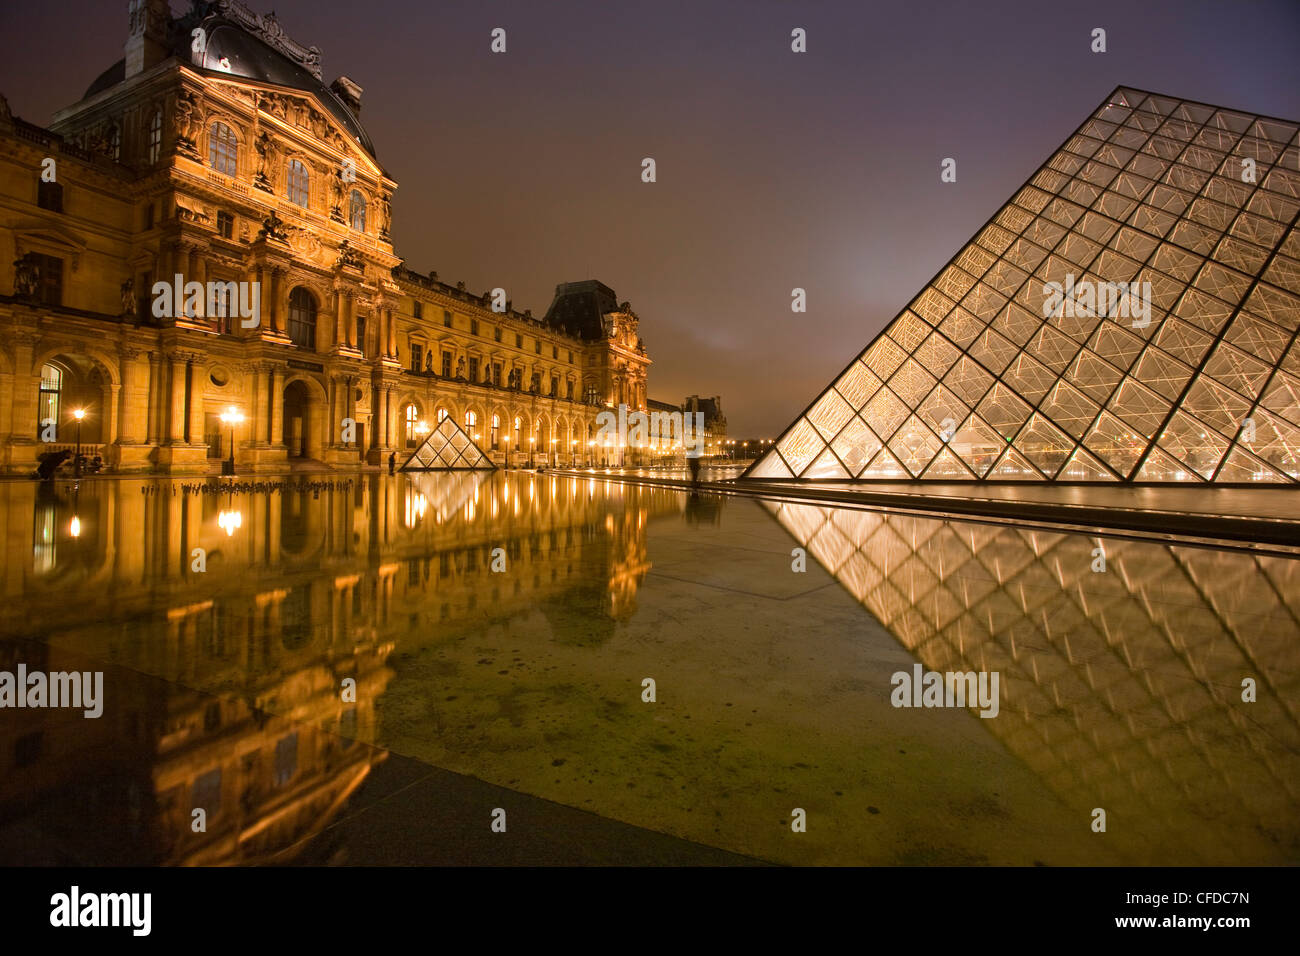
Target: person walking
x,y
392,463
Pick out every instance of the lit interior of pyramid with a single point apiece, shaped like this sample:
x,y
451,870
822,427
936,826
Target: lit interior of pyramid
x,y
1193,377
447,447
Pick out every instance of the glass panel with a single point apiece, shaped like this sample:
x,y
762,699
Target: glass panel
x,y
1083,467
1044,444
977,444
1283,396
1030,378
829,414
946,466
884,413
936,354
961,327
1069,408
855,445
857,385
1093,376
1116,443
914,445
1194,443
1162,372
1160,467
770,466
1277,442
968,380
883,357
1004,410
885,466
1242,466
1220,407
800,446
1237,370
1015,467
911,382
1138,405
827,466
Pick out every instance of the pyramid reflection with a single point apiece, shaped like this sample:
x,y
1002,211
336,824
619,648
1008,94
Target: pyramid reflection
x,y
1120,689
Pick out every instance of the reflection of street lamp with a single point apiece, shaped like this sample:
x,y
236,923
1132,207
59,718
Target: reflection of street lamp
x,y
573,453
229,521
75,527
79,414
532,442
232,417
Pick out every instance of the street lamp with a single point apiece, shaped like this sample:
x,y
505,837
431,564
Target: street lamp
x,y
232,417
79,414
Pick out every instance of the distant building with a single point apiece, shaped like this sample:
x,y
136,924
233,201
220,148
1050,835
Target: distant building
x,y
234,165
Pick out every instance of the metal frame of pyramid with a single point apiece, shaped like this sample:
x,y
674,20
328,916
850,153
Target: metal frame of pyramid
x,y
972,382
448,448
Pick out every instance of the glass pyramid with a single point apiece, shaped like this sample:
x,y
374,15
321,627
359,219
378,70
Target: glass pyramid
x,y
1167,352
447,448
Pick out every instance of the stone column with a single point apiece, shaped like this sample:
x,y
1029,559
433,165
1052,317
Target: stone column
x,y
340,329
391,328
133,414
197,370
275,406
256,405
176,407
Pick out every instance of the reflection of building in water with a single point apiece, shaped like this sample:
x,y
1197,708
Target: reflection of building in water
x,y
1121,689
270,769
224,685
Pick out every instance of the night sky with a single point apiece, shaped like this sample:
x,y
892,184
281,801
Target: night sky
x,y
775,169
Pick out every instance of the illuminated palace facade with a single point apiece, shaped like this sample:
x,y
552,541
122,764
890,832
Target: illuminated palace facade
x,y
220,156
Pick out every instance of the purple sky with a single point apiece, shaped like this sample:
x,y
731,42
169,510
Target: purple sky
x,y
775,169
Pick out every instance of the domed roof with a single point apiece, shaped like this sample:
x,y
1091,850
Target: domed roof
x,y
233,51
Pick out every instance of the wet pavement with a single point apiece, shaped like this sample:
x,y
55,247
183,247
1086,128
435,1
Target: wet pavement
x,y
374,669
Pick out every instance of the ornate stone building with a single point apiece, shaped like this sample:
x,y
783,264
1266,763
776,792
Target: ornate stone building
x,y
214,152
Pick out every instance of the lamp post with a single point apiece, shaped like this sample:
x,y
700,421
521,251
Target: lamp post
x,y
231,417
79,414
532,443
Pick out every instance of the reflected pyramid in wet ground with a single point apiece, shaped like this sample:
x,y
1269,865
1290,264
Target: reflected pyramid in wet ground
x,y
1120,689
972,382
447,448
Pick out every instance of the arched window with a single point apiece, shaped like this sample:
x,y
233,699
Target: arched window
x,y
155,136
471,419
442,413
412,419
357,211
496,430
223,149
299,183
48,404
302,318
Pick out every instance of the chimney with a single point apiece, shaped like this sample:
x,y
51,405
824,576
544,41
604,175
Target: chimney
x,y
146,40
350,93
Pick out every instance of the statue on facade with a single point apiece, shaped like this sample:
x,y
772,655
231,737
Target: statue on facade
x,y
385,215
186,121
428,362
265,149
460,368
336,196
349,257
273,228
128,296
27,277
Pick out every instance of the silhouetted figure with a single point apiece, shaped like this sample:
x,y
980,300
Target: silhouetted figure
x,y
392,463
693,463
50,462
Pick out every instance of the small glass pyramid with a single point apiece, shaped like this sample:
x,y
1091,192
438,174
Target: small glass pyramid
x,y
447,448
1130,315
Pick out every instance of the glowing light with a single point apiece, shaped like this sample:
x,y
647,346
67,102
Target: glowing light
x,y
75,527
79,414
229,521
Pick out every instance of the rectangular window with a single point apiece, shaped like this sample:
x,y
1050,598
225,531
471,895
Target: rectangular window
x,y
225,225
148,217
497,333
496,374
446,318
49,285
446,365
473,326
555,351
570,395
49,196
555,387
473,368
570,358
537,346
417,356
519,341
417,309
